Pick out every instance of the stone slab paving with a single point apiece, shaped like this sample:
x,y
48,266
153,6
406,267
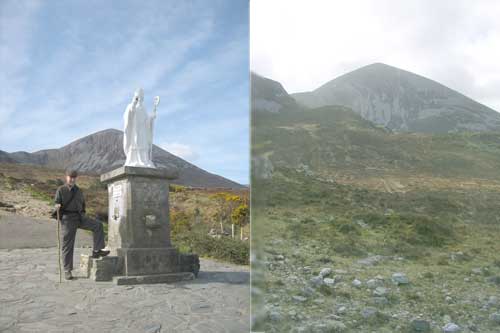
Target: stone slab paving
x,y
17,231
33,300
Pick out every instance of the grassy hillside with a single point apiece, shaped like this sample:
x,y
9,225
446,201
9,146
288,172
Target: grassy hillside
x,y
340,193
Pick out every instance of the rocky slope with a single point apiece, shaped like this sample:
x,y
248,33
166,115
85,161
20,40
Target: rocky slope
x,y
270,96
103,151
402,100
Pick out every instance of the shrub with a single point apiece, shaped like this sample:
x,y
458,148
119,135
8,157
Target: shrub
x,y
346,226
224,248
176,188
179,222
421,229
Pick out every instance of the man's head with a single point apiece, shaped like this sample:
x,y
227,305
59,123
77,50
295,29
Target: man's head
x,y
71,175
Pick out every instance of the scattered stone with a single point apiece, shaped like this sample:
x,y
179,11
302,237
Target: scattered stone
x,y
316,281
495,317
279,257
369,312
341,310
373,283
451,328
400,278
494,279
448,299
299,299
329,282
473,327
307,291
340,271
361,223
274,316
319,301
329,326
380,300
325,272
380,291
492,301
459,256
419,325
356,283
370,261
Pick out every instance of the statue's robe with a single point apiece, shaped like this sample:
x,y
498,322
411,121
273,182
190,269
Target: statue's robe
x,y
137,133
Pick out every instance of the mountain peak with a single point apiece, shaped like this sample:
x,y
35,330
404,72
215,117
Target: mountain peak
x,y
102,151
402,100
270,96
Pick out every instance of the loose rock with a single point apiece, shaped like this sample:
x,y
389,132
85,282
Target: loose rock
x,y
451,328
400,278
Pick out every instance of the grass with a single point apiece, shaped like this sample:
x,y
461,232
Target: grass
x,y
350,190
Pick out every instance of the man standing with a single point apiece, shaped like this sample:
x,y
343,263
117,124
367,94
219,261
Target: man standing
x,y
71,205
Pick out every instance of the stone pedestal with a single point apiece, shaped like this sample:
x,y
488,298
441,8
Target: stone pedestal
x,y
139,231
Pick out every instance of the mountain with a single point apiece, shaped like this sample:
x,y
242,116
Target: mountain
x,y
329,186
403,101
103,151
335,140
270,96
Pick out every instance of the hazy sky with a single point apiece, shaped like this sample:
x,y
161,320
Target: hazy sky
x,y
69,68
303,44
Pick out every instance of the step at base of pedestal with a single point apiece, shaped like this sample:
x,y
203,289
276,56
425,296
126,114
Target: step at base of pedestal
x,y
156,278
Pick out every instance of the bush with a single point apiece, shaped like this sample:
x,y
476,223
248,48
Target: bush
x,y
179,222
421,229
224,248
346,226
176,188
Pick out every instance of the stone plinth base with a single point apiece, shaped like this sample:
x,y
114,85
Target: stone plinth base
x,y
158,278
141,266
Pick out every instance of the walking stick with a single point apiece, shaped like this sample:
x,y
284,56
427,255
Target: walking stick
x,y
59,245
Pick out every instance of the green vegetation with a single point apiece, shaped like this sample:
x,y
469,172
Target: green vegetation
x,y
342,191
220,212
223,248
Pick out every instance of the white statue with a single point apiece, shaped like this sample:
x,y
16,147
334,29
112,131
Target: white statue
x,y
138,132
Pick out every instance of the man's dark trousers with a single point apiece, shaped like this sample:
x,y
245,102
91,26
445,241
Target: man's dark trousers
x,y
69,223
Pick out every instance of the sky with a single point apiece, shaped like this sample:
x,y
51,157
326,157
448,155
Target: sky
x,y
69,69
304,44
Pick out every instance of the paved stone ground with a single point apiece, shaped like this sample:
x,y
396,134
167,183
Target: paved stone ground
x,y
17,231
32,300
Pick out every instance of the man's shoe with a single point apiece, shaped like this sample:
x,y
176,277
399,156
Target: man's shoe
x,y
67,275
100,253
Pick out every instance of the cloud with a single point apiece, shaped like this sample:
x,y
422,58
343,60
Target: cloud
x,y
16,34
181,150
306,44
72,75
